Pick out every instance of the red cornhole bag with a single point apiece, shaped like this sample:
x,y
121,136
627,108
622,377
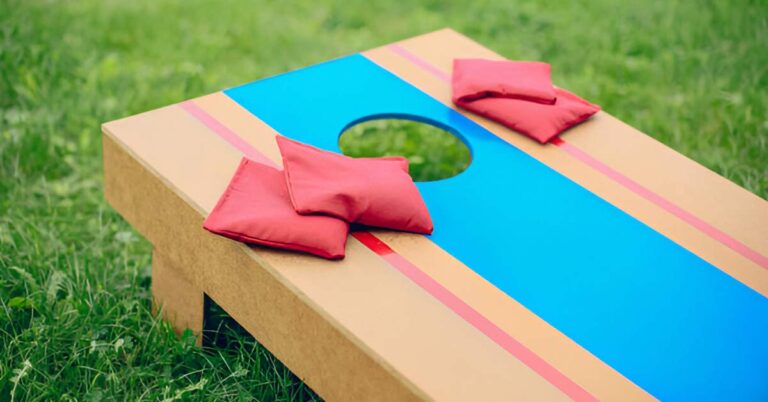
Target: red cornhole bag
x,y
256,209
370,191
538,121
477,78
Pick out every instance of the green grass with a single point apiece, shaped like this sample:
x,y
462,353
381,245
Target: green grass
x,y
432,152
75,319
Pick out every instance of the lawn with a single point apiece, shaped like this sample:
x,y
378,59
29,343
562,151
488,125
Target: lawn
x,y
75,319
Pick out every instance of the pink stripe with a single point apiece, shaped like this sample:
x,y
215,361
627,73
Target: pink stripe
x,y
474,318
225,133
662,202
625,181
419,61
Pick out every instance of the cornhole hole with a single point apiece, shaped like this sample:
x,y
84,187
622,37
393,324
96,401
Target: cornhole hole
x,y
603,266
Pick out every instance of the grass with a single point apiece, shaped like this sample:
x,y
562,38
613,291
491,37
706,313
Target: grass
x,y
75,321
432,152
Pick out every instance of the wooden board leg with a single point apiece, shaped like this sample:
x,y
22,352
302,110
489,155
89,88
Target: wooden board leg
x,y
181,302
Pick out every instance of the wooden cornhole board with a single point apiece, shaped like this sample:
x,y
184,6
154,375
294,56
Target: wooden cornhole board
x,y
604,266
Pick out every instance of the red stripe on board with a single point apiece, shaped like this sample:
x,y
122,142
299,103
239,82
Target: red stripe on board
x,y
625,181
225,133
419,61
450,300
662,202
474,318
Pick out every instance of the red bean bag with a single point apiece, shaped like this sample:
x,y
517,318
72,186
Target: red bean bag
x,y
477,78
370,191
538,121
256,209
519,95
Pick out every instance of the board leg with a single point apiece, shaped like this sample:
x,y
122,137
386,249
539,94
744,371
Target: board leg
x,y
179,301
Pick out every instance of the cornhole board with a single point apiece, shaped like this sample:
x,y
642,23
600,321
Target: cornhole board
x,y
604,266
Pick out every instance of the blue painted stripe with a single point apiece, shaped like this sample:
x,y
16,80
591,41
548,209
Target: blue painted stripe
x,y
666,319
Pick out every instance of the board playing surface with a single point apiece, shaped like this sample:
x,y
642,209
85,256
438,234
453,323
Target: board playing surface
x,y
603,266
